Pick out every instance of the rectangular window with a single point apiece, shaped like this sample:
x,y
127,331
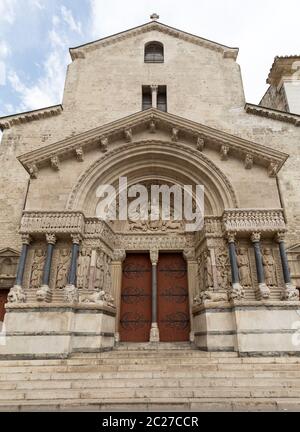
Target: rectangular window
x,y
160,95
162,98
147,98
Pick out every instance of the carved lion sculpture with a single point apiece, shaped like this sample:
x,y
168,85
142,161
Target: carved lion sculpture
x,y
16,295
290,294
213,297
98,297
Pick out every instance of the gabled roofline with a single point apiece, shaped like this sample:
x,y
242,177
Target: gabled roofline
x,y
9,121
228,52
273,114
152,119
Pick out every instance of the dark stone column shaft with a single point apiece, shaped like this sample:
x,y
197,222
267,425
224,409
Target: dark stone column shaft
x,y
73,269
259,263
21,265
48,262
233,263
284,262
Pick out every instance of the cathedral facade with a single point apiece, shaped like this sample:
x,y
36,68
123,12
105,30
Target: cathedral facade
x,y
157,106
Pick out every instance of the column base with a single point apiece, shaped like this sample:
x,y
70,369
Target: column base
x,y
290,293
71,294
44,294
236,292
154,333
263,291
117,338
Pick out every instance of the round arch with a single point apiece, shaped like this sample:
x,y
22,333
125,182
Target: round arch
x,y
154,161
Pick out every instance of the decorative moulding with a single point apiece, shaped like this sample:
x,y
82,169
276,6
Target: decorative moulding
x,y
227,52
254,220
273,114
17,119
176,126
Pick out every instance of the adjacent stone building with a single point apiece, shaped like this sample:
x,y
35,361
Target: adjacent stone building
x,y
159,106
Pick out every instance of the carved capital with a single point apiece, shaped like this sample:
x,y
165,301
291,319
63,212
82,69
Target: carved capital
x,y
128,135
175,134
79,154
33,171
231,236
249,161
51,238
119,255
224,152
154,253
255,237
189,255
26,239
76,238
200,144
280,236
154,88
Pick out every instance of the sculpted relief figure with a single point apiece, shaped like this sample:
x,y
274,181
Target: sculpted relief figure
x,y
37,269
83,268
269,267
63,269
207,271
99,279
244,269
223,268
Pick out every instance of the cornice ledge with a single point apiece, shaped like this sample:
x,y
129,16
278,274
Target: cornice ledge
x,y
266,156
273,114
13,120
228,52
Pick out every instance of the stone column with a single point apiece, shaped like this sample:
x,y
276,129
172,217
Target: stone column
x,y
44,293
154,90
264,291
116,275
154,333
289,293
192,270
71,293
17,294
236,292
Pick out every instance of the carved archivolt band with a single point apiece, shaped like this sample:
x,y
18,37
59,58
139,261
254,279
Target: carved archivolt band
x,y
159,157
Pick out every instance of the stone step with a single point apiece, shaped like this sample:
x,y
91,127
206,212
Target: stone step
x,y
155,404
167,383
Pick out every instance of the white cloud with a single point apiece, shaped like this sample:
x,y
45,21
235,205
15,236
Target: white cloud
x,y
69,19
8,10
4,52
39,4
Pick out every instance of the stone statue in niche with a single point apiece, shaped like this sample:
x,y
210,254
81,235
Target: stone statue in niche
x,y
269,267
99,278
84,261
63,269
244,269
37,269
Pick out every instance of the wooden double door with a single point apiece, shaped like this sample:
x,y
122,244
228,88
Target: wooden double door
x,y
3,301
172,299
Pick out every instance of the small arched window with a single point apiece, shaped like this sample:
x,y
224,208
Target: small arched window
x,y
154,52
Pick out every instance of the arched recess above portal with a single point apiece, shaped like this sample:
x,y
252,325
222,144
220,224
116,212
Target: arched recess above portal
x,y
153,160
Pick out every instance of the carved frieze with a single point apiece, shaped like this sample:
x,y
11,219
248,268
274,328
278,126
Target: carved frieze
x,y
54,222
249,221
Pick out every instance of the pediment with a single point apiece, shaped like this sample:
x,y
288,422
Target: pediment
x,y
151,121
294,249
8,252
80,51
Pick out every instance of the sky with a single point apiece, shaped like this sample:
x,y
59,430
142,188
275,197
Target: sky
x,y
35,36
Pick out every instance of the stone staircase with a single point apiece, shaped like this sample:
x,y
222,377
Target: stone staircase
x,y
167,377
